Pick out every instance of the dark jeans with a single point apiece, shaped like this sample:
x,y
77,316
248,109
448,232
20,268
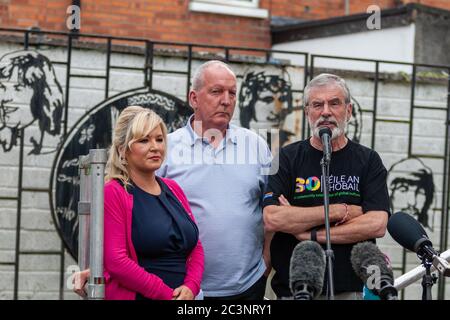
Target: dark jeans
x,y
255,292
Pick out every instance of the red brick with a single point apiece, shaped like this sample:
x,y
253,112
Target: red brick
x,y
172,20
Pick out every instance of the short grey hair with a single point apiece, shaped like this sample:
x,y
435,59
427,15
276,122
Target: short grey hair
x,y
324,79
197,79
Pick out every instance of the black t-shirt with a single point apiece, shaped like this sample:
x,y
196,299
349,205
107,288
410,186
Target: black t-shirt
x,y
357,176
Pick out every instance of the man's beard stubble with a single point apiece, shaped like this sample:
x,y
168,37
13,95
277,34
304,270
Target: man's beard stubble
x,y
337,131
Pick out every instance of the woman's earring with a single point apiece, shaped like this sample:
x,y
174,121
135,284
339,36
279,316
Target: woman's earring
x,y
123,161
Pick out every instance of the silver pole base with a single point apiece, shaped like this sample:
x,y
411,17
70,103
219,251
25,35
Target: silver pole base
x,y
96,291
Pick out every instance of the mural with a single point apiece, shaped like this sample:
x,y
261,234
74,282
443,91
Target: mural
x,y
355,125
411,189
269,98
28,78
94,131
266,98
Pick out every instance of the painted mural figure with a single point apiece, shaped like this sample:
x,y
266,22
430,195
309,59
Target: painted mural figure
x,y
28,78
354,126
412,192
275,94
269,98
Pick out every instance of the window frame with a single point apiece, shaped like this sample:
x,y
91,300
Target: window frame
x,y
230,7
234,3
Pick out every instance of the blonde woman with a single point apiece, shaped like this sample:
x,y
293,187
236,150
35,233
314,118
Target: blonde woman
x,y
152,249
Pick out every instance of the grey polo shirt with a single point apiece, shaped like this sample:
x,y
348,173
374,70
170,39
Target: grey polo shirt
x,y
224,187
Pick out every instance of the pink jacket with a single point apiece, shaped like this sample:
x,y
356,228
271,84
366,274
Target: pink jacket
x,y
124,277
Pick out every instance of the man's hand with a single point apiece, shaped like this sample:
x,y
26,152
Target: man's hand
x,y
79,281
182,293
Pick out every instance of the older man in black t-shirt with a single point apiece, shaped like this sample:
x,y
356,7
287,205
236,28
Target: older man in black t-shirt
x,y
293,203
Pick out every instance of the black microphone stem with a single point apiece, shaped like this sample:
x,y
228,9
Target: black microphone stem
x,y
325,163
427,281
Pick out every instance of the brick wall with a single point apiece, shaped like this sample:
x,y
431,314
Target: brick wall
x,y
172,20
50,14
307,9
152,19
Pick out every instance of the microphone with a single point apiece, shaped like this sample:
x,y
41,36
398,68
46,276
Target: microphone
x,y
325,135
367,260
307,270
410,234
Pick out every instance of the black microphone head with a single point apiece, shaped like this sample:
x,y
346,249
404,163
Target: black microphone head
x,y
407,231
307,268
366,254
372,268
325,130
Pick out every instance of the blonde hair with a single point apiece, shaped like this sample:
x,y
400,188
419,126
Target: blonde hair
x,y
133,124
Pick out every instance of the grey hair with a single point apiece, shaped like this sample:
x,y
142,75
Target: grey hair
x,y
197,79
324,79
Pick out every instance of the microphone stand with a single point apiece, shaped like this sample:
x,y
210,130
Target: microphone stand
x,y
325,163
427,280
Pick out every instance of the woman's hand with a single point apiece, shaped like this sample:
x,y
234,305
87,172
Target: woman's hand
x,y
183,293
79,281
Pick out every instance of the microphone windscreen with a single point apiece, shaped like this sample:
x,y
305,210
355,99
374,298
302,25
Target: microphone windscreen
x,y
324,130
406,230
308,266
367,254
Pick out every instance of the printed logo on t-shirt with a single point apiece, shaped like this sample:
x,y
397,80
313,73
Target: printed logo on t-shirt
x,y
338,185
310,184
343,183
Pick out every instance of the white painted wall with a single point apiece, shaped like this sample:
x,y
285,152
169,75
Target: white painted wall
x,y
394,44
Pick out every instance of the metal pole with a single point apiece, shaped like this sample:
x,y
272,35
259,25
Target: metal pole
x,y
326,204
84,211
96,286
19,216
445,195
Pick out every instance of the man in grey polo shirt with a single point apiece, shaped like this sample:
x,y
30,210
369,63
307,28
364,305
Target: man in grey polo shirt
x,y
222,169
